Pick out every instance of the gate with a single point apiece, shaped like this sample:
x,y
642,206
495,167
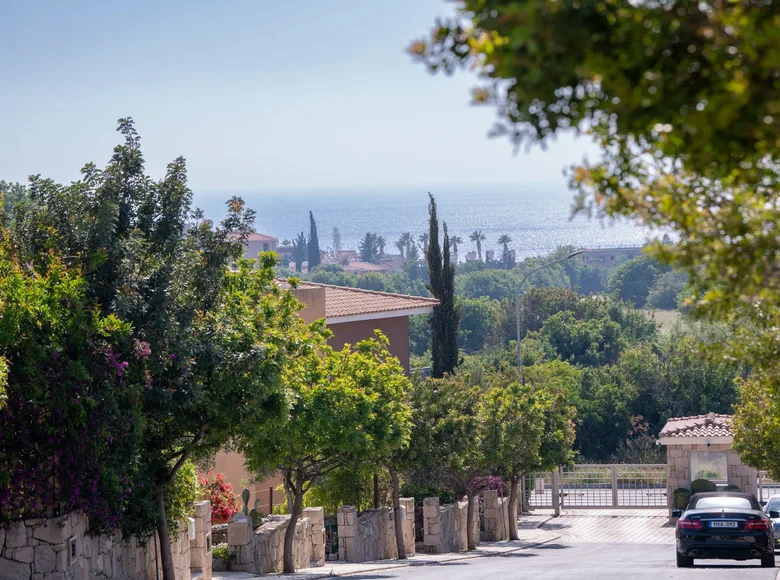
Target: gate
x,y
596,486
767,487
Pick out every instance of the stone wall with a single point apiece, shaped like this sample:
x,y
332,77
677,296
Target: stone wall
x,y
61,549
200,547
445,526
407,503
366,538
317,518
678,468
496,517
262,550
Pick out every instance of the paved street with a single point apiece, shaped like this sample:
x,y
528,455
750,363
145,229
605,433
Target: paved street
x,y
557,560
648,526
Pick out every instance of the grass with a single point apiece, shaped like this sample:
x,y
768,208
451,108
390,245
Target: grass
x,y
666,319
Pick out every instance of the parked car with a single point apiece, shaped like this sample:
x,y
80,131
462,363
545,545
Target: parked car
x,y
772,508
724,525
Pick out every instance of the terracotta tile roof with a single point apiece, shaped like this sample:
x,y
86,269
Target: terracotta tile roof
x,y
341,301
710,425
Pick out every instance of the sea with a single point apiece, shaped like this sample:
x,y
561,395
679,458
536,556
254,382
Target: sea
x,y
537,218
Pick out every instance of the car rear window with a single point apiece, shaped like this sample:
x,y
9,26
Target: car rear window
x,y
723,502
773,505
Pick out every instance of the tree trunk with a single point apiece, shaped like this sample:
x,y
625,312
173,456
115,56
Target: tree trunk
x,y
288,490
472,541
377,503
512,508
289,534
166,558
399,525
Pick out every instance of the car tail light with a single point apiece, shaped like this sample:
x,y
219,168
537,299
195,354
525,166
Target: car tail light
x,y
757,525
684,524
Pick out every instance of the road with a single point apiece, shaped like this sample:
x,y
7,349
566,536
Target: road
x,y
561,561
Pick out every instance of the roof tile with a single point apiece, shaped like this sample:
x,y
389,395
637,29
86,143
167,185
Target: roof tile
x,y
710,425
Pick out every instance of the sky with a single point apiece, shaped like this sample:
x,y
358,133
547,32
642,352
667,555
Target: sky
x,y
255,94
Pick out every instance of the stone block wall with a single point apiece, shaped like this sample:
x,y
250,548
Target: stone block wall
x,y
366,538
61,549
496,517
317,518
262,551
445,526
678,468
200,547
409,532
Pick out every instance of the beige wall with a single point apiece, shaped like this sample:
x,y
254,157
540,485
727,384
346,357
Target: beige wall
x,y
396,329
231,465
254,247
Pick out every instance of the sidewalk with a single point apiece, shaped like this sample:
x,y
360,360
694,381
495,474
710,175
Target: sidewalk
x,y
528,539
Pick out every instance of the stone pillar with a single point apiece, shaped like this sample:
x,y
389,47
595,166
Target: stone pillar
x,y
346,518
494,524
431,527
317,518
240,540
407,503
200,547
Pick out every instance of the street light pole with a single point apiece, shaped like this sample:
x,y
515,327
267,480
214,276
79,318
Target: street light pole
x,y
517,309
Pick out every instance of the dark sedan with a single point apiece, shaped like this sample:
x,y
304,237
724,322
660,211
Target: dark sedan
x,y
724,525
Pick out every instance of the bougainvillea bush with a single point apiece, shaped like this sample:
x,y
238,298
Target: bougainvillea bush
x,y
220,493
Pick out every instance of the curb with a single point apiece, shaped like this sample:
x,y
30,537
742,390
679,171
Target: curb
x,y
410,564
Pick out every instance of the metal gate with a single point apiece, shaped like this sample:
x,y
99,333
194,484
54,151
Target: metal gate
x,y
767,487
596,486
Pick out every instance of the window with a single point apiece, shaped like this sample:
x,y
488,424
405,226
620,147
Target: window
x,y
73,550
724,502
712,465
266,247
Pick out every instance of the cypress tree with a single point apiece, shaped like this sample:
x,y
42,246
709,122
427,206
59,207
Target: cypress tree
x,y
314,244
446,315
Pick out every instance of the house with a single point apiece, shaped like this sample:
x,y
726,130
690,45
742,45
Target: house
x,y
256,243
352,315
609,257
383,266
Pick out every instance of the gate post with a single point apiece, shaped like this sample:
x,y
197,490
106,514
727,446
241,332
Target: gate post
x,y
556,491
614,487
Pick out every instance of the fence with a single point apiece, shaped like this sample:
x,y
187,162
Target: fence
x,y
598,486
767,487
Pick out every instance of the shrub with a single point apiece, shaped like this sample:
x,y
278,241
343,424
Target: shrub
x,y
224,553
703,485
681,497
220,494
732,487
182,492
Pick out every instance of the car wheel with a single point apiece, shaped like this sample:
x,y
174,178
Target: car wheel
x,y
768,561
686,561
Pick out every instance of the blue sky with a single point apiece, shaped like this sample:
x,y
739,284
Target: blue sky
x,y
255,94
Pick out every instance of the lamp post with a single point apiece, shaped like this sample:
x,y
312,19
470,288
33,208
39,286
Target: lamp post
x,y
517,308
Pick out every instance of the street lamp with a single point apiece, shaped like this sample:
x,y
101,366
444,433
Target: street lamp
x,y
517,309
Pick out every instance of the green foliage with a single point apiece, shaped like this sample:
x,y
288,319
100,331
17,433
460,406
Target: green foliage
x,y
420,492
633,279
666,290
476,320
314,243
681,497
419,334
732,488
10,195
300,250
224,553
245,495
181,493
703,485
446,314
756,427
369,248
492,284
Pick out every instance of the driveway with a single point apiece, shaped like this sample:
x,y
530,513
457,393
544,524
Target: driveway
x,y
567,561
611,527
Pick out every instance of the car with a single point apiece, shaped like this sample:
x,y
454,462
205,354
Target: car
x,y
772,508
724,525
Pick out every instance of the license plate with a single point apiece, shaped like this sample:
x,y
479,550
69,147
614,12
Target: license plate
x,y
724,524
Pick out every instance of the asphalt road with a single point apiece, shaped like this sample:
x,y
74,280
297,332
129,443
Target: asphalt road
x,y
581,562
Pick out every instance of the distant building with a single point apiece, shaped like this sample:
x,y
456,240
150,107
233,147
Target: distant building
x,y
471,256
358,267
608,257
489,254
256,243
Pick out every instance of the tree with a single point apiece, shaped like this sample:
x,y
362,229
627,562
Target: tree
x,y
207,345
423,242
454,241
401,245
477,317
506,257
756,428
446,315
493,284
633,279
345,406
668,286
336,240
300,250
369,248
381,242
478,237
511,422
682,99
10,195
314,244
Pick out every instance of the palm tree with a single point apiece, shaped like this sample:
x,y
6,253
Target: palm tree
x,y
381,242
423,239
401,245
454,241
478,237
505,241
408,241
